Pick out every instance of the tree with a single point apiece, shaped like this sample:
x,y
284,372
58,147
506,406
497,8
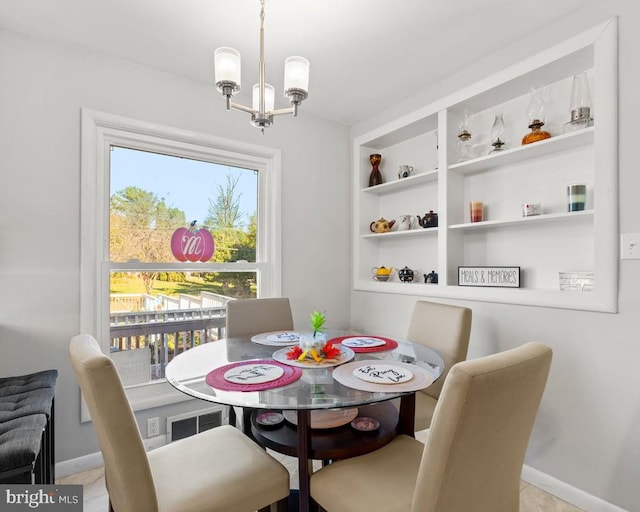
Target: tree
x,y
233,242
140,229
224,212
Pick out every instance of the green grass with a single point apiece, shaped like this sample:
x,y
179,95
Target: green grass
x,y
192,286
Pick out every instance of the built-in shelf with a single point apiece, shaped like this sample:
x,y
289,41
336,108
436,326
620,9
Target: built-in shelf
x,y
405,233
554,145
400,184
522,221
541,245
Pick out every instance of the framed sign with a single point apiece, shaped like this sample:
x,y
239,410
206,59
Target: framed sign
x,y
495,277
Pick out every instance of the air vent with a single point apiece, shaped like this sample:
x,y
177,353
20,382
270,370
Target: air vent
x,y
185,425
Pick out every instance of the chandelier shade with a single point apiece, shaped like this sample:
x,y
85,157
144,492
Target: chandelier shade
x,y
269,97
296,74
227,66
227,62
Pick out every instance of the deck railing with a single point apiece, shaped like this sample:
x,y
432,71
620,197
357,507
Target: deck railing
x,y
164,334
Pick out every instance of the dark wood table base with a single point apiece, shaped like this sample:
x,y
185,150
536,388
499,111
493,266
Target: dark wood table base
x,y
332,443
335,443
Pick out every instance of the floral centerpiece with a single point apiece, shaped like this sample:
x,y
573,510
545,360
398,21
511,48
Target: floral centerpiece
x,y
313,347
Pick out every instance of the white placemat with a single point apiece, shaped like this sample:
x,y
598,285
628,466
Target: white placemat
x,y
422,378
382,373
277,338
254,373
362,342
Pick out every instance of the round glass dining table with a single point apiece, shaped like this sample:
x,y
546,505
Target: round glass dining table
x,y
315,389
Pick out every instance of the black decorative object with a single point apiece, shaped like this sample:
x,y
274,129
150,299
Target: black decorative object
x,y
430,220
431,277
406,274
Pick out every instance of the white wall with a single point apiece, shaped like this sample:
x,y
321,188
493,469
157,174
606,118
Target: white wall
x,y
43,86
587,432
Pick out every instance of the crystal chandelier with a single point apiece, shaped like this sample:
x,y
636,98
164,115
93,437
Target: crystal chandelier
x,y
296,83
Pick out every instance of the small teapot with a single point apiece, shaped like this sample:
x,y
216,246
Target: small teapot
x,y
381,225
381,273
405,222
432,277
430,220
406,274
405,171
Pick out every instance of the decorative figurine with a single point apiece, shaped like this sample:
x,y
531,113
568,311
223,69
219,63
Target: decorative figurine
x,y
405,171
405,274
375,178
432,277
381,273
430,220
381,225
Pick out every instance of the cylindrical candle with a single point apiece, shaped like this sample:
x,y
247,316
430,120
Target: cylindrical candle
x,y
476,211
577,196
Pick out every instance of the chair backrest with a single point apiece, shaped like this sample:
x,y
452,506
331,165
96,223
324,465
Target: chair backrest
x,y
444,328
128,475
254,316
480,430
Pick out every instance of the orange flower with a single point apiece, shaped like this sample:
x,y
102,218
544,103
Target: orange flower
x,y
330,351
294,353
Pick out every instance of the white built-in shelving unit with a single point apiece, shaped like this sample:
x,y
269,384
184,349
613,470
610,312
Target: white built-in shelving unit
x,y
543,245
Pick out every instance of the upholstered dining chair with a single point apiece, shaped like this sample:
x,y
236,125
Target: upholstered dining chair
x,y
219,470
474,451
252,316
246,317
444,328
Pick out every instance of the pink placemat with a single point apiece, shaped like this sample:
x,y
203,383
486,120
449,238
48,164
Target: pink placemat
x,y
389,344
215,378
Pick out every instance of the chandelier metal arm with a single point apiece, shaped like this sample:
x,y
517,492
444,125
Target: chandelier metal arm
x,y
281,111
238,106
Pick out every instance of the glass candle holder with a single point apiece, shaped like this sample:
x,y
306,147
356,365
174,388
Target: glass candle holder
x,y
476,211
580,105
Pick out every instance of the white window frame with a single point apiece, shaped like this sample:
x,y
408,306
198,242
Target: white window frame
x,y
100,131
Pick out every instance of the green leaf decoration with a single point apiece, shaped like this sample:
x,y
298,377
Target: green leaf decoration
x,y
317,320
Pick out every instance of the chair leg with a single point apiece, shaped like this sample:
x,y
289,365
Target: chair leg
x,y
283,505
246,422
232,416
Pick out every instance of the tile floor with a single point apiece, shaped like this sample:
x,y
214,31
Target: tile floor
x,y
532,499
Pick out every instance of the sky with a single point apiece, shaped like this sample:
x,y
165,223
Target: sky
x,y
183,183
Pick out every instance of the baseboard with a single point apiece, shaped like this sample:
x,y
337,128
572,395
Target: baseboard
x,y
547,483
95,460
79,464
564,491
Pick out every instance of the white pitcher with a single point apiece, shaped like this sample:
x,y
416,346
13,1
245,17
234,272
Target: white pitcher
x,y
405,171
406,222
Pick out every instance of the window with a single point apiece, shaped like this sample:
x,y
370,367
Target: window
x,y
141,183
